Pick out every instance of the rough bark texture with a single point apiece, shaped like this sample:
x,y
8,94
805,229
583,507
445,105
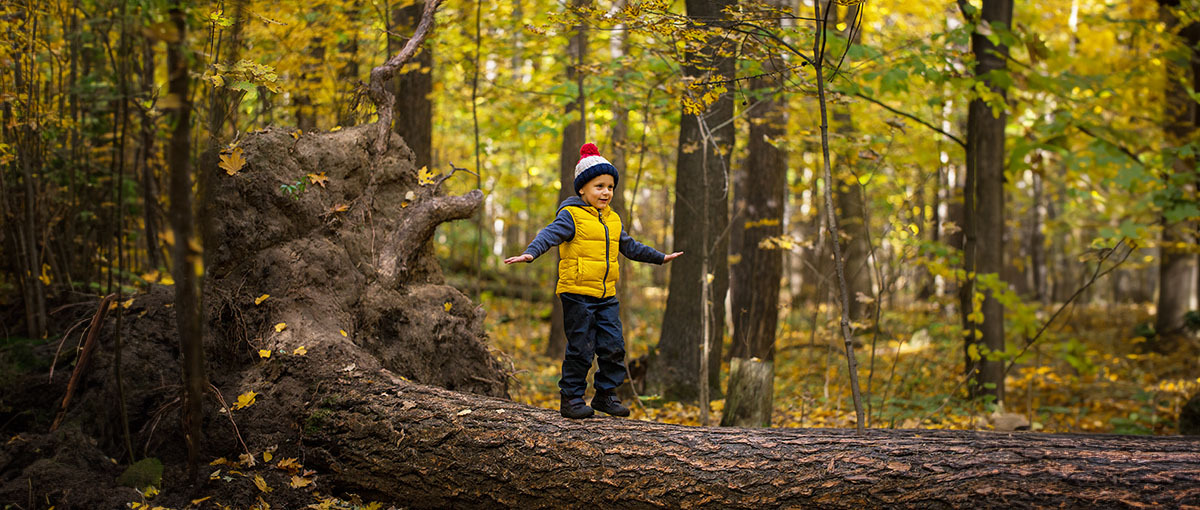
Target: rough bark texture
x,y
430,448
985,204
701,215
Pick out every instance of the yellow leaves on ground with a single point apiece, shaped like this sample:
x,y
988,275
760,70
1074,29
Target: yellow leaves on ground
x,y
300,482
267,456
258,300
300,351
289,464
261,484
296,134
245,400
264,353
447,306
320,179
280,327
343,332
337,208
232,162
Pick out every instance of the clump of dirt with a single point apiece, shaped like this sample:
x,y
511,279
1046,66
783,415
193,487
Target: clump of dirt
x,y
294,296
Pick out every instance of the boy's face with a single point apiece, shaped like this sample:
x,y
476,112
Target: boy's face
x,y
598,191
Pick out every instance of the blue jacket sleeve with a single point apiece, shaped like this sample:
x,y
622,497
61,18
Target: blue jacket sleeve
x,y
634,250
559,231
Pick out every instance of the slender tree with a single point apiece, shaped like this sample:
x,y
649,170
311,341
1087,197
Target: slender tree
x,y
188,265
1176,263
413,108
699,280
755,277
984,202
574,134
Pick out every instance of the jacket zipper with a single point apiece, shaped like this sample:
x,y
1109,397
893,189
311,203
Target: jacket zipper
x,y
604,283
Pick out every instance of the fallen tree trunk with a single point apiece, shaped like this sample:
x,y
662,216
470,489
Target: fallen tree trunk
x,y
430,448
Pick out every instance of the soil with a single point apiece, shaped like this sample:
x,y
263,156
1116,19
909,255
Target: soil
x,y
330,313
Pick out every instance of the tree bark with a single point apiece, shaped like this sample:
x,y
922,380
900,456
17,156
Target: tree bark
x,y
573,137
755,277
432,448
984,206
1176,264
413,108
187,263
700,218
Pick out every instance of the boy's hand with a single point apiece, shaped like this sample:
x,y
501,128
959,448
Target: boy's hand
x,y
671,257
524,257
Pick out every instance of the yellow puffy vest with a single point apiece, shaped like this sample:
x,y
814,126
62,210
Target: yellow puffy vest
x,y
588,262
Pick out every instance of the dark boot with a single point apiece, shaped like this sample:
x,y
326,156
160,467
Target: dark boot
x,y
608,403
574,408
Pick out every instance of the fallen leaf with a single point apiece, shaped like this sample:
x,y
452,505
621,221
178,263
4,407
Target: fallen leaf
x,y
447,306
289,464
267,456
261,484
264,353
335,129
215,475
296,134
343,332
279,327
127,303
349,367
201,500
258,300
232,163
300,351
318,179
298,482
410,196
464,412
218,462
245,400
339,208
424,176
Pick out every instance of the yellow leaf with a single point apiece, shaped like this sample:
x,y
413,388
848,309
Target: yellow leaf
x,y
128,303
289,464
339,208
232,163
261,484
300,351
318,179
424,176
374,505
218,462
280,327
201,500
264,353
296,134
343,332
258,300
335,129
150,492
267,456
447,306
45,277
245,400
298,482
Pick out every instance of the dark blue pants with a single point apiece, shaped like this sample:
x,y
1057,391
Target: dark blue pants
x,y
593,327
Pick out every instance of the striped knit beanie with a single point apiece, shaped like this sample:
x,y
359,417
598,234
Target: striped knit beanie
x,y
590,165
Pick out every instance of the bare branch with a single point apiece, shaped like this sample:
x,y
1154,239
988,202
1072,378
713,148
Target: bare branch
x,y
383,99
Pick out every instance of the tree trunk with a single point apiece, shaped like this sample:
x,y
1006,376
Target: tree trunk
x,y
984,208
413,108
700,218
187,263
432,448
1176,264
574,136
755,277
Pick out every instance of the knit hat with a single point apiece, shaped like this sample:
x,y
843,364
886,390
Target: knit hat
x,y
591,165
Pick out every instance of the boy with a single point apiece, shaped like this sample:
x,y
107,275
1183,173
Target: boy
x,y
589,236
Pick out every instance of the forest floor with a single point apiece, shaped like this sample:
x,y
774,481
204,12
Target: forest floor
x,y
1085,374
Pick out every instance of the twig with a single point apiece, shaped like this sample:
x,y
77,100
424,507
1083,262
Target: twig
x,y
1096,275
81,365
229,413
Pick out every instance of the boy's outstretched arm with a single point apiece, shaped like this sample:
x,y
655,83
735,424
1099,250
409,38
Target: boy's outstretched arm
x,y
634,250
559,231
